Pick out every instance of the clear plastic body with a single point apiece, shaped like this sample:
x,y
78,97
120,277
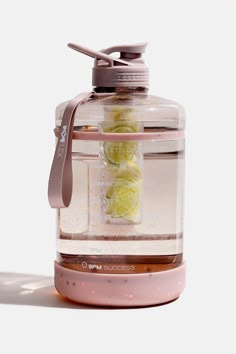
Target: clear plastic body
x,y
126,213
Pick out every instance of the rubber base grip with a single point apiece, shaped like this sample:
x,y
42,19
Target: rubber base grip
x,y
120,290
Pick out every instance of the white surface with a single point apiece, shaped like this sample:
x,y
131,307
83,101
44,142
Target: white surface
x,y
192,58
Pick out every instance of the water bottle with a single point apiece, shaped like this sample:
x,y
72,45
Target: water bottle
x,y
117,182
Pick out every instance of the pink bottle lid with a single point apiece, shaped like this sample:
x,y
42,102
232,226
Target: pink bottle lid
x,y
127,71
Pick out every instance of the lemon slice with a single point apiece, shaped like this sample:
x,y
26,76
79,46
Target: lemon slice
x,y
120,127
117,152
120,113
124,199
129,172
133,215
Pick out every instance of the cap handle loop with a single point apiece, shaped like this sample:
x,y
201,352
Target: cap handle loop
x,y
98,55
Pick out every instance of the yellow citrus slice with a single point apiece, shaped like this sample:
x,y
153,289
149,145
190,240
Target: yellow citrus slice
x,y
129,172
121,113
121,127
124,199
117,152
133,215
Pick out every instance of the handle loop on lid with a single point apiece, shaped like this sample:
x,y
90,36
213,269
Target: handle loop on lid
x,y
98,55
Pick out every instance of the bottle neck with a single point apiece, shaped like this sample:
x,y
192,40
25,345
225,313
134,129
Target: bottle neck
x,y
121,90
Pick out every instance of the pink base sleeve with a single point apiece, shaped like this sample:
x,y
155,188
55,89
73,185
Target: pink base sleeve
x,y
120,290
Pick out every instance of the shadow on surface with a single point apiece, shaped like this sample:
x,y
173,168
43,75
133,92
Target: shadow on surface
x,y
39,290
33,290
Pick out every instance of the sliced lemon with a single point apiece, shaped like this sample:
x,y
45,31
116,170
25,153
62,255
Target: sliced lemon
x,y
117,152
121,127
121,113
129,172
133,215
125,198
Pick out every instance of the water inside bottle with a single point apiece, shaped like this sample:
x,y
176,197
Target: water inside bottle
x,y
88,242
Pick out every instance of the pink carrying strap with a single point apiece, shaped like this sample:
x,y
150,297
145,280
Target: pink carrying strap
x,y
61,177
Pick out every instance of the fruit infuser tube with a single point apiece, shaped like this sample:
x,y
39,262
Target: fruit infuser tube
x,y
121,170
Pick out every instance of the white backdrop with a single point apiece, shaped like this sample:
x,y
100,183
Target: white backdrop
x,y
192,59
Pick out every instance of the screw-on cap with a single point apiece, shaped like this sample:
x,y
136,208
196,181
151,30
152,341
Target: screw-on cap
x,y
127,71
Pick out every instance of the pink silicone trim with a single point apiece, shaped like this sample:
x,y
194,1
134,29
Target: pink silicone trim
x,y
161,136
120,290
